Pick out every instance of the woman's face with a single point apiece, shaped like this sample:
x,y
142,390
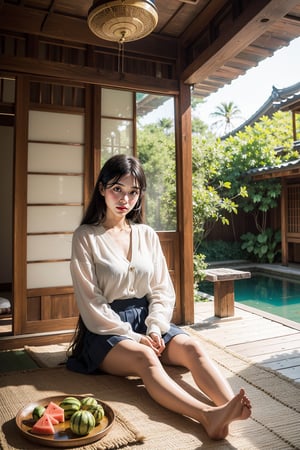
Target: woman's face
x,y
121,197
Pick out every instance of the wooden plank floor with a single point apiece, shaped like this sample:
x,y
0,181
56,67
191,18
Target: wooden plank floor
x,y
262,340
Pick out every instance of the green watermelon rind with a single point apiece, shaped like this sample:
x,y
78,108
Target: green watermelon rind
x,y
70,405
98,413
38,412
82,422
88,402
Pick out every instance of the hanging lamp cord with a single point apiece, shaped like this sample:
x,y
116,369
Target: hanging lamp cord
x,y
121,54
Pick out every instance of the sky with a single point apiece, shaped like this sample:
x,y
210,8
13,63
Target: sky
x,y
250,91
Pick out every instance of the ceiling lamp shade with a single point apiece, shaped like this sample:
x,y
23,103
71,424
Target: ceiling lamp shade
x,y
122,20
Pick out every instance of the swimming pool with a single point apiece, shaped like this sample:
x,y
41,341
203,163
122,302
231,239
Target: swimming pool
x,y
278,296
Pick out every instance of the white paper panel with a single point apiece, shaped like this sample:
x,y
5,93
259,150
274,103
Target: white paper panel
x,y
106,153
54,274
55,189
115,103
42,219
55,158
45,247
56,127
116,133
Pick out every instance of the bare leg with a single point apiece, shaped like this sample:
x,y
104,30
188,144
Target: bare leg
x,y
185,351
131,358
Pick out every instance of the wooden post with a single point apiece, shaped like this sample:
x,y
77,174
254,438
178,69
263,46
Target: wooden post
x,y
185,204
224,298
223,280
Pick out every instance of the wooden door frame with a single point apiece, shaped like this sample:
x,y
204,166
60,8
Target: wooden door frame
x,y
20,206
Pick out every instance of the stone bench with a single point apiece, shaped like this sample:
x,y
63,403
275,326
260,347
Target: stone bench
x,y
223,280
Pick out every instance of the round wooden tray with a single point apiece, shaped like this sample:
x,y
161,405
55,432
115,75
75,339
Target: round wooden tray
x,y
63,436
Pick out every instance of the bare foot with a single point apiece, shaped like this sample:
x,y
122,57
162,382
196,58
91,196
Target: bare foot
x,y
217,419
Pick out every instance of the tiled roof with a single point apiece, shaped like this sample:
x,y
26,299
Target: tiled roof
x,y
279,99
285,166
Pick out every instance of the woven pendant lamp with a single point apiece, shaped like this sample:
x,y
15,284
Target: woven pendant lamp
x,y
122,20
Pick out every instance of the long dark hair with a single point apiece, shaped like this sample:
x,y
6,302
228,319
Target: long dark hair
x,y
114,169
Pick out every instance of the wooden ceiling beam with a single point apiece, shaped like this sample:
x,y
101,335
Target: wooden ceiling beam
x,y
257,52
230,73
218,79
210,84
249,26
49,24
203,91
270,41
70,72
200,22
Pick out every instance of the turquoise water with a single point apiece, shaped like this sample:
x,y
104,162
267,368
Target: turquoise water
x,y
277,296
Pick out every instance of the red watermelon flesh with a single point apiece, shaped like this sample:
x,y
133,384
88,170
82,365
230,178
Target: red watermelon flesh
x,y
56,412
43,425
53,420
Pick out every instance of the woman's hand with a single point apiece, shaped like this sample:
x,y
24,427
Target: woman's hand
x,y
154,341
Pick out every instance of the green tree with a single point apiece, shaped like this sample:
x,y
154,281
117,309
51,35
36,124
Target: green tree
x,y
210,200
226,114
195,101
167,125
199,127
254,148
156,151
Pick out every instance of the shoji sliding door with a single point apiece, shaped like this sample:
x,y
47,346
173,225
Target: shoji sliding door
x,y
52,184
54,195
55,186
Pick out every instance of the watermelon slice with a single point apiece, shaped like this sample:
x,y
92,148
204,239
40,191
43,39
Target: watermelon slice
x,y
43,425
55,411
53,420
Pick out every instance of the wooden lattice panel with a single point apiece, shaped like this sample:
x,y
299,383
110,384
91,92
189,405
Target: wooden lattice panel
x,y
293,209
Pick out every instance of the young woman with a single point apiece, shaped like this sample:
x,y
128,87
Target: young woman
x,y
126,298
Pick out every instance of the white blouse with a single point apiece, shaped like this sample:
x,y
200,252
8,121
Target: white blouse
x,y
101,275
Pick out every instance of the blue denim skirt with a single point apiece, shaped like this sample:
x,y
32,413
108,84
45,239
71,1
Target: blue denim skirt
x,y
95,346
